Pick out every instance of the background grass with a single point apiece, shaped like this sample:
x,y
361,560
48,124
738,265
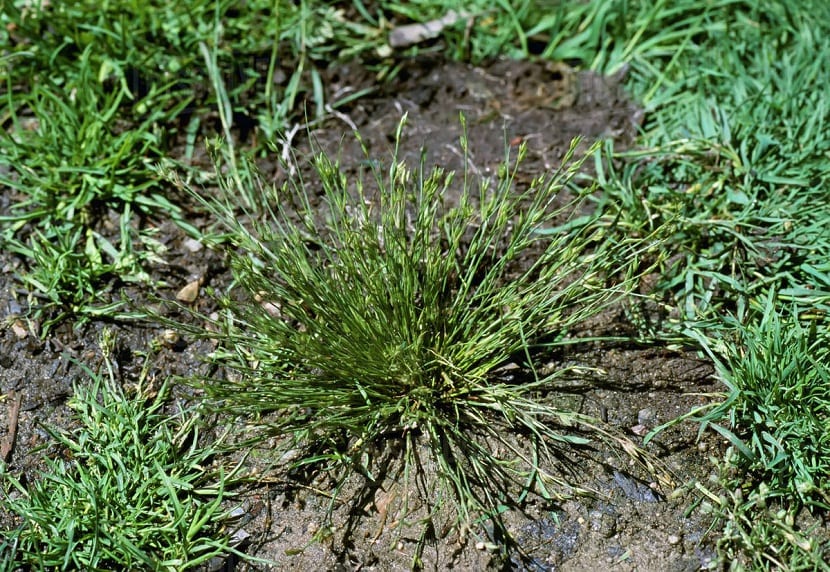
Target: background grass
x,y
732,170
133,487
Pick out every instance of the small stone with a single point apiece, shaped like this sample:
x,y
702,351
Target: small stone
x,y
169,338
189,293
291,455
239,537
216,564
14,308
639,430
674,539
19,330
646,416
192,245
271,309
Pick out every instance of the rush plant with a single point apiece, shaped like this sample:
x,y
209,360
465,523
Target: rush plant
x,y
387,314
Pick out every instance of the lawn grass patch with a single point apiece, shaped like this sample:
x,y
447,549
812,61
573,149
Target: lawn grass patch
x,y
133,488
733,174
776,369
94,97
385,313
734,161
75,170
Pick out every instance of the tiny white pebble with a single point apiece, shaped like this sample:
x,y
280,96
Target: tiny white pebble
x,y
193,245
639,430
19,329
189,292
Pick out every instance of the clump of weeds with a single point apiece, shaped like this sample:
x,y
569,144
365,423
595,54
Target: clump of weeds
x,y
774,366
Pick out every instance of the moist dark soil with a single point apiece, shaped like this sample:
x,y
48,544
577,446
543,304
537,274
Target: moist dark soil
x,y
632,522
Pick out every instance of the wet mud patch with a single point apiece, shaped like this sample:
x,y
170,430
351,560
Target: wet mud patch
x,y
630,523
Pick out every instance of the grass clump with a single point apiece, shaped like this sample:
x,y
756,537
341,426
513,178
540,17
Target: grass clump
x,y
133,489
777,375
385,314
78,180
761,529
774,414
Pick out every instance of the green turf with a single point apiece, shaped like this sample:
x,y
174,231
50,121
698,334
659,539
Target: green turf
x,y
134,488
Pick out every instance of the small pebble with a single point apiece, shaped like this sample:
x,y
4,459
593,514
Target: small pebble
x,y
639,430
646,416
239,537
673,539
14,308
190,292
271,309
169,338
215,564
192,245
19,330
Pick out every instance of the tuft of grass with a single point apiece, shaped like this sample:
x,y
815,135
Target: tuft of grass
x,y
777,404
761,529
385,314
78,175
772,483
132,488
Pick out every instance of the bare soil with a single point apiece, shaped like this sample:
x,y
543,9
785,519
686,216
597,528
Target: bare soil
x,y
630,524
